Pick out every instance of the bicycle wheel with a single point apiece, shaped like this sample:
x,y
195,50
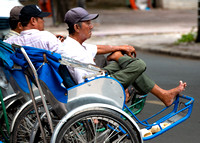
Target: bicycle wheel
x,y
25,122
10,111
36,136
96,126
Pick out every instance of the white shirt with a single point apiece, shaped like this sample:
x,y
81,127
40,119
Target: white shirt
x,y
84,53
37,39
11,33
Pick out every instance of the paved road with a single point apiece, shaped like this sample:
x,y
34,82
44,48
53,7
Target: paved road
x,y
167,71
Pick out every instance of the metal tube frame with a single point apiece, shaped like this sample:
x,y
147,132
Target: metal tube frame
x,y
35,107
39,88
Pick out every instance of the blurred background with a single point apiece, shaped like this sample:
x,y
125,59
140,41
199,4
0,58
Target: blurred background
x,y
59,7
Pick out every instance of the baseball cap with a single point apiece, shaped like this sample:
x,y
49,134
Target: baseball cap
x,y
32,11
78,14
15,12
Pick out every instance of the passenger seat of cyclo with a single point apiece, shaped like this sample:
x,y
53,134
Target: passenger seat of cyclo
x,y
14,75
51,75
46,72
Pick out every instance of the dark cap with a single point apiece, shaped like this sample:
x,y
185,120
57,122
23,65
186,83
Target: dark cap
x,y
32,11
15,12
78,14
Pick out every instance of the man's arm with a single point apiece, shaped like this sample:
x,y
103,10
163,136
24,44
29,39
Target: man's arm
x,y
104,49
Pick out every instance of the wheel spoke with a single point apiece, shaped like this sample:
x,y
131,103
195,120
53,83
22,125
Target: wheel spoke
x,y
96,126
78,135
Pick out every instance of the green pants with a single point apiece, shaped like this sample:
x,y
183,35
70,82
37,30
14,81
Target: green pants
x,y
131,71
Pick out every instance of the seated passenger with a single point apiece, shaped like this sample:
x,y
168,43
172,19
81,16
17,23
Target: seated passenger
x,y
126,69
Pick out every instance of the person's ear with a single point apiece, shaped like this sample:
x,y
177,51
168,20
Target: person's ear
x,y
33,20
76,27
19,25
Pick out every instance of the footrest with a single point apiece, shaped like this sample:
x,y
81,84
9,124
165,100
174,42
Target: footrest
x,y
182,108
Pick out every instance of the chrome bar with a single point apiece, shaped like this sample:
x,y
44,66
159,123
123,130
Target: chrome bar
x,y
35,107
39,87
76,64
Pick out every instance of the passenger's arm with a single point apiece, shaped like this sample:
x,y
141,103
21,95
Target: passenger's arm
x,y
126,49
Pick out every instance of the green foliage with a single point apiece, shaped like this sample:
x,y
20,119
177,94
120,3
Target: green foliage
x,y
187,38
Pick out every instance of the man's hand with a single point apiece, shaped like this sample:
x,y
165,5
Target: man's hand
x,y
125,49
60,37
129,50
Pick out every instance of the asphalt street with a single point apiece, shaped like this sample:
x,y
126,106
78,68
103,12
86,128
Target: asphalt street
x,y
166,71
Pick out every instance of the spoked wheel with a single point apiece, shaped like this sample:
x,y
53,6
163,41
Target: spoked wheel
x,y
36,136
97,126
25,122
12,108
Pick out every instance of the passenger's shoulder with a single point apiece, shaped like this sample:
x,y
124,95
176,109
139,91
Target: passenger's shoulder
x,y
11,39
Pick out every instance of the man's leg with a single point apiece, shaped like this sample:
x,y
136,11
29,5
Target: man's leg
x,y
126,70
141,80
167,96
145,85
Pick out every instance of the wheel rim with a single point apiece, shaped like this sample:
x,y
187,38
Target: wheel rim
x,y
95,129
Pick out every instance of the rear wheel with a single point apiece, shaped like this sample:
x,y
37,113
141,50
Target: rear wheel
x,y
25,122
96,126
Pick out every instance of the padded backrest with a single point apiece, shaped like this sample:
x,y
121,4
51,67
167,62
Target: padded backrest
x,y
14,76
47,65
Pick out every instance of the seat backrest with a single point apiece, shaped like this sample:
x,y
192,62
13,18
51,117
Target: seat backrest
x,y
14,76
47,66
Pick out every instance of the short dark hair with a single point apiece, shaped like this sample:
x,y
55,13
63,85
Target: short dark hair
x,y
25,20
71,29
13,23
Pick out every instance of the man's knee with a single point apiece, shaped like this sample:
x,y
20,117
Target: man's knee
x,y
141,65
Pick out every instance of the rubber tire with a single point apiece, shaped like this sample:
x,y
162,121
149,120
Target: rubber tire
x,y
105,114
25,113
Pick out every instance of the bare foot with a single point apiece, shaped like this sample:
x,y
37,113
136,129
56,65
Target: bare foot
x,y
167,96
115,56
172,93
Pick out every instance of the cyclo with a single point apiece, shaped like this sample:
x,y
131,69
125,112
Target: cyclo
x,y
94,111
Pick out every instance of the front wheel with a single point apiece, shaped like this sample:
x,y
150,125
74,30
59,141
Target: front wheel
x,y
97,126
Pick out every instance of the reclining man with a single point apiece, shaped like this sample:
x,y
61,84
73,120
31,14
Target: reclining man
x,y
127,70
